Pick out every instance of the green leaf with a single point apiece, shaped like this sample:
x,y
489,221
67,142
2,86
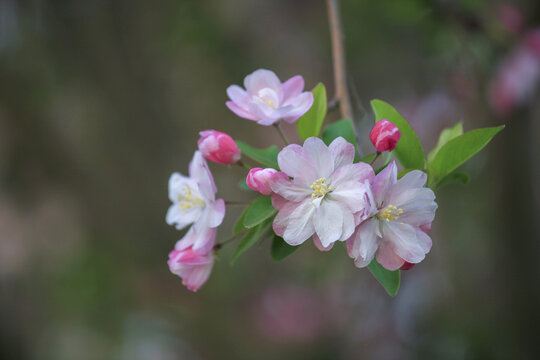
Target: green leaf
x,y
239,224
311,122
260,210
456,176
343,128
267,157
408,151
460,149
446,136
251,238
242,185
280,249
388,279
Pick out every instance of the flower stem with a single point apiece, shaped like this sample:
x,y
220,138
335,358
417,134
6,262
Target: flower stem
x,y
338,58
243,164
281,134
219,245
375,158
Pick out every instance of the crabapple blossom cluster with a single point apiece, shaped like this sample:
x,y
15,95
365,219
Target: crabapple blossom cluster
x,y
322,190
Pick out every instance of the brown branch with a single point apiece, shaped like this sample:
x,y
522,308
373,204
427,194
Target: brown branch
x,y
338,58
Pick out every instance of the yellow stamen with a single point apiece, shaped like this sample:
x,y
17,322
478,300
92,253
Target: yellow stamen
x,y
270,103
187,201
389,213
320,188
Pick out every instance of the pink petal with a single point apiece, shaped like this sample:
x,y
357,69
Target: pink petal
x,y
383,182
261,79
243,113
238,95
405,242
299,224
319,245
292,87
300,105
362,245
292,162
289,189
388,258
319,156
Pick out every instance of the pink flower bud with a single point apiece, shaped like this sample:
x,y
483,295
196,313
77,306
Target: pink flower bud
x,y
218,147
258,179
384,135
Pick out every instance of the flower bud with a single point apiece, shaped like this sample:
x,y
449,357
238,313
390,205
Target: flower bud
x,y
218,147
258,179
384,135
406,266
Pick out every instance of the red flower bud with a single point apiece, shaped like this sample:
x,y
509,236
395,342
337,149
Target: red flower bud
x,y
384,135
218,147
406,266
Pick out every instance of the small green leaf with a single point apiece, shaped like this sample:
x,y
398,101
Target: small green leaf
x,y
239,224
456,176
446,135
311,122
343,128
460,149
280,249
251,238
388,279
260,210
242,185
408,151
267,157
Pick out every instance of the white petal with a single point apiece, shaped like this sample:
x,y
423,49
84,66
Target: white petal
x,y
348,224
299,225
328,222
405,241
292,161
383,182
319,245
289,189
362,245
319,157
261,79
200,172
387,257
418,206
342,152
352,194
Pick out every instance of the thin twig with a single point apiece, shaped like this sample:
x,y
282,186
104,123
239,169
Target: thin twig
x,y
375,158
219,245
281,134
338,58
243,164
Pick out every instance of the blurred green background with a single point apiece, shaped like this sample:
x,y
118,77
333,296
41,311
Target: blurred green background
x,y
100,101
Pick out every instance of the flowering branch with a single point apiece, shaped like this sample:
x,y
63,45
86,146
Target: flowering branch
x,y
338,58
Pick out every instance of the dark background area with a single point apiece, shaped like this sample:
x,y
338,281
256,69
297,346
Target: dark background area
x,y
100,101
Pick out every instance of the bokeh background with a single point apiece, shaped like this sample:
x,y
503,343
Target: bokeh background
x,y
100,101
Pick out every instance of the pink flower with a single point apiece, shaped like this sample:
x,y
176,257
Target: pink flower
x,y
218,147
258,179
327,196
384,135
393,230
194,198
266,100
193,264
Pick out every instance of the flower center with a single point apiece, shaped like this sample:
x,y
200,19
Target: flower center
x,y
320,188
389,213
269,97
188,200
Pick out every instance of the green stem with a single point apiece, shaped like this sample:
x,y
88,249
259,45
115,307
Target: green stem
x,y
281,134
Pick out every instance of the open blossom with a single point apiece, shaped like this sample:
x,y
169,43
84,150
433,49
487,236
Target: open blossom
x,y
394,231
192,257
258,179
267,100
218,147
327,196
194,197
384,135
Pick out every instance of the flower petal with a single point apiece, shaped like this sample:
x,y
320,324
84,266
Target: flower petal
x,y
261,79
418,206
405,242
388,258
238,95
216,213
299,225
362,245
199,171
328,222
383,182
288,188
292,162
342,152
319,245
182,218
300,105
292,87
319,156
243,113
